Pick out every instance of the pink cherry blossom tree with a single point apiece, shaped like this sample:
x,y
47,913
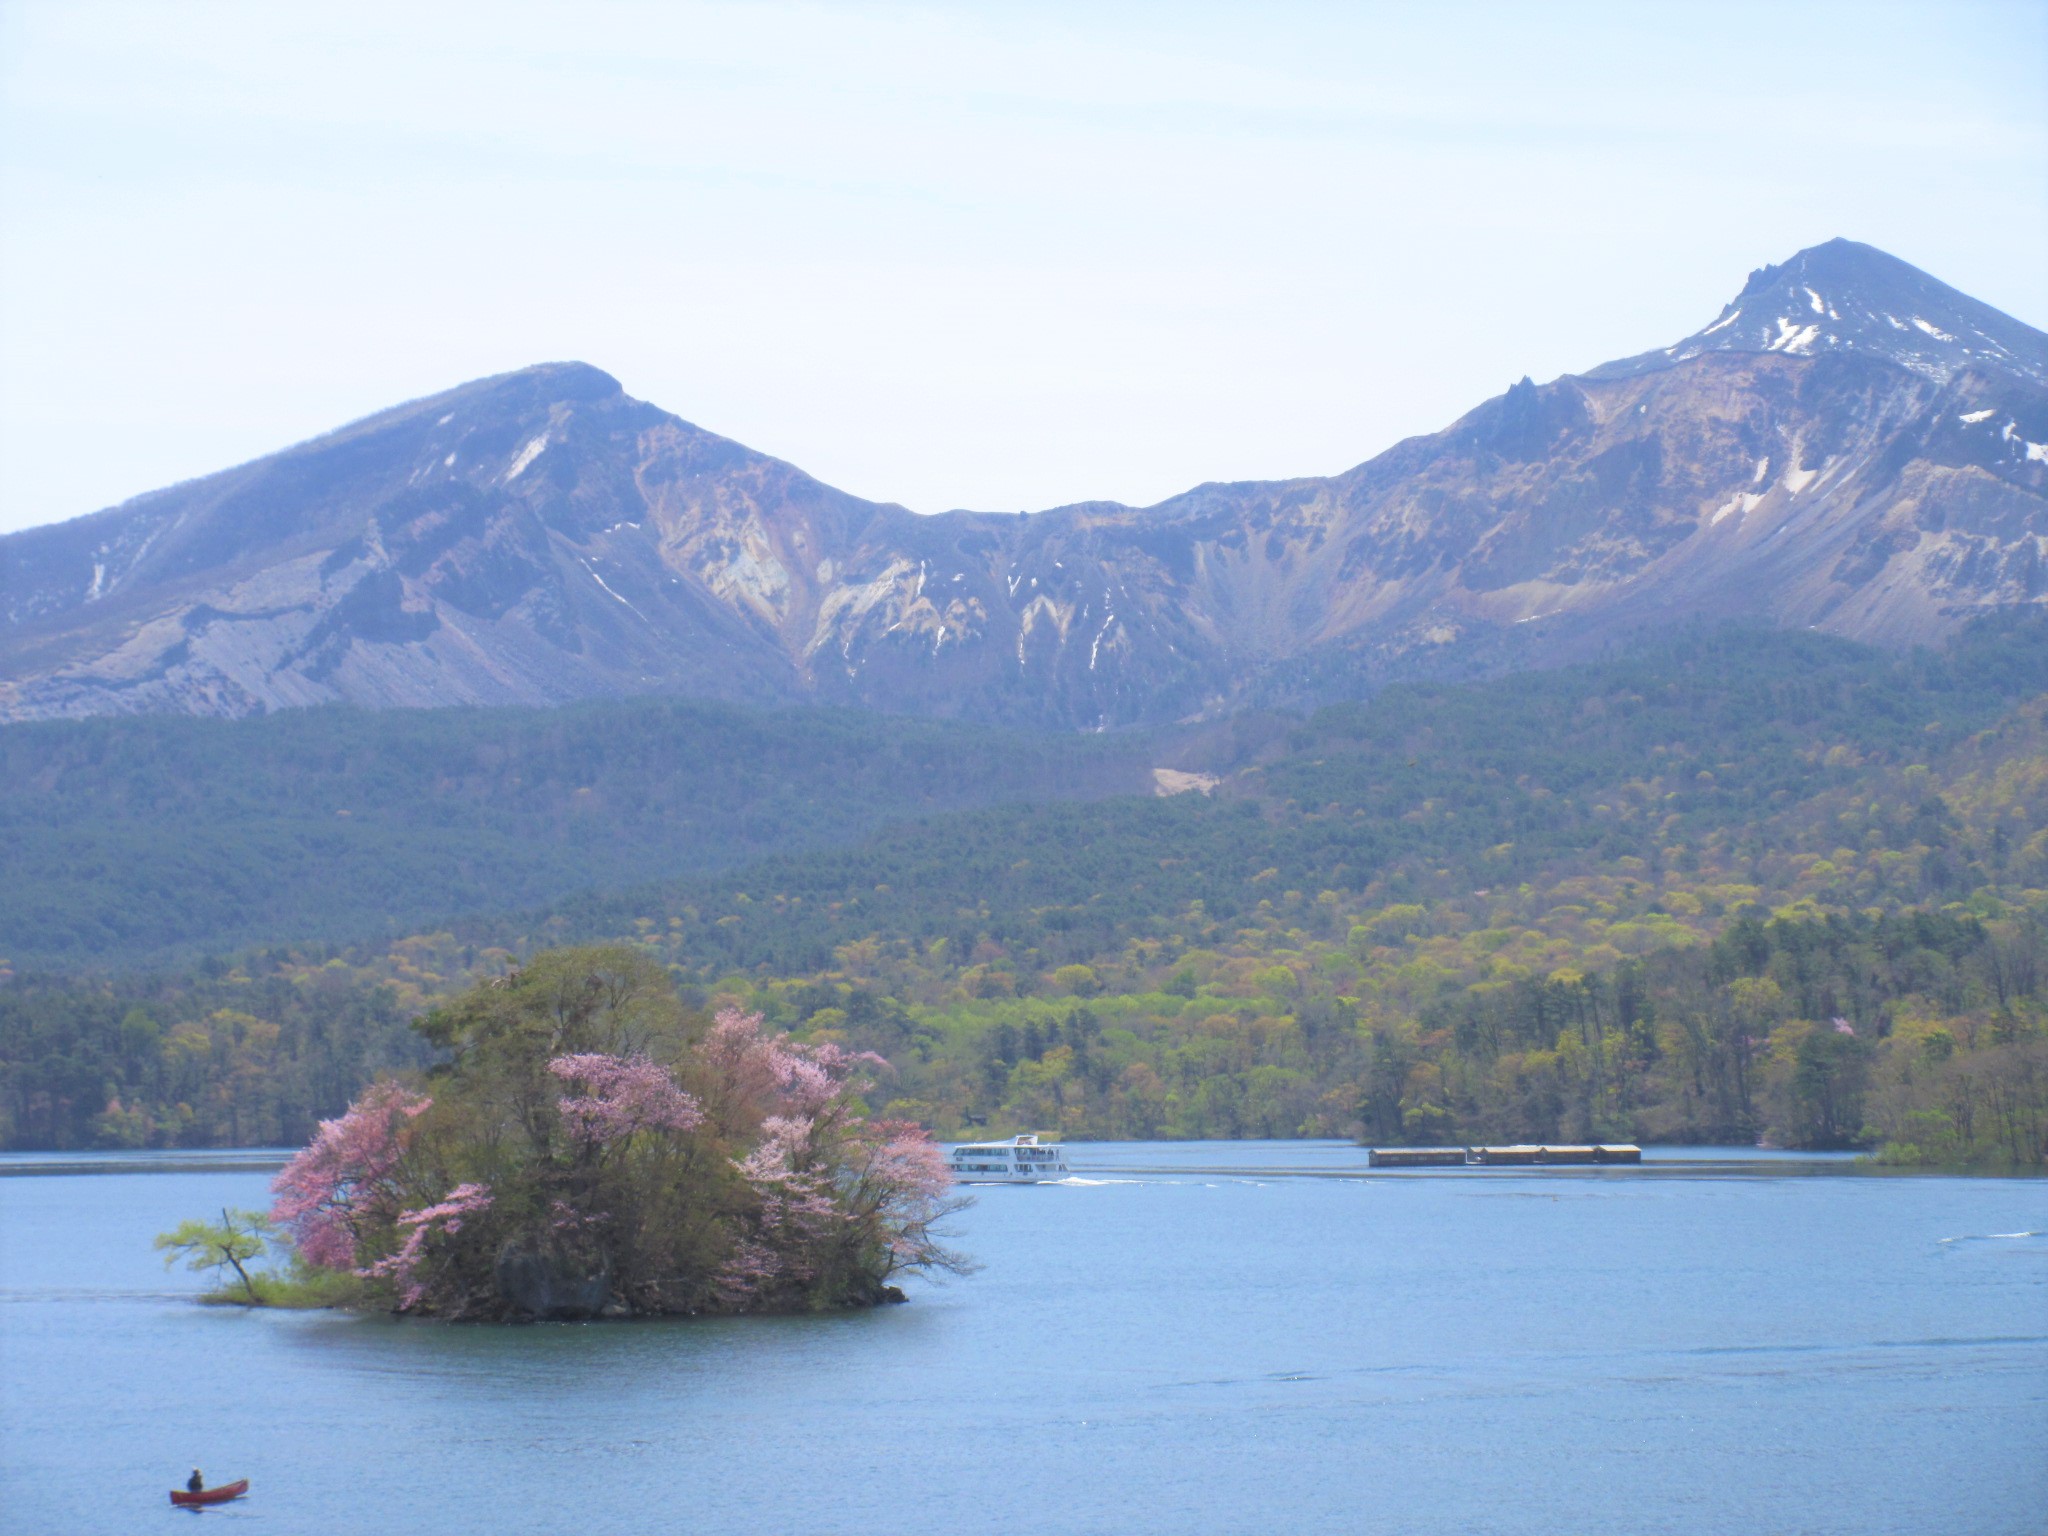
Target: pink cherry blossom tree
x,y
623,1096
592,1150
754,1072
792,1217
897,1187
347,1178
444,1218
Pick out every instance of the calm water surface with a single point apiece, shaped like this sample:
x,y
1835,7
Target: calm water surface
x,y
1768,1347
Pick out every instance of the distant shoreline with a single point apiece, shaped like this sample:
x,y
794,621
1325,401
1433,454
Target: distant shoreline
x,y
1726,1160
163,1160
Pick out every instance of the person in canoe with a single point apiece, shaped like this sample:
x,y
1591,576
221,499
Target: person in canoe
x,y
195,1493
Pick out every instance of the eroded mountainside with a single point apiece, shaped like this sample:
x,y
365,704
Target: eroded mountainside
x,y
1851,446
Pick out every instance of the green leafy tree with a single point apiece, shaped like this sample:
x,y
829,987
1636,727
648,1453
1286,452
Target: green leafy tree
x,y
236,1241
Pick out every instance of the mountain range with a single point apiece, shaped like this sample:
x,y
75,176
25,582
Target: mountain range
x,y
1850,446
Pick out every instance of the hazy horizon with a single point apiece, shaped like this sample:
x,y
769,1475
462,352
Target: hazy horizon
x,y
950,258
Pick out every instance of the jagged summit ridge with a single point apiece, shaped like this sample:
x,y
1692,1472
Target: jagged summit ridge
x,y
541,536
1843,296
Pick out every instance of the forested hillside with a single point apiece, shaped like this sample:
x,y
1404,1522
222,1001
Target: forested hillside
x,y
136,839
1701,749
1746,885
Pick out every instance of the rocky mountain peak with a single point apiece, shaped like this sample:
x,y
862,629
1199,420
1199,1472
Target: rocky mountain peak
x,y
542,536
1846,297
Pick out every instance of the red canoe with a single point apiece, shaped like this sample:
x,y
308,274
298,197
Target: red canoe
x,y
218,1495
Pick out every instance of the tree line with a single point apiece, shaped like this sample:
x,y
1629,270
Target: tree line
x,y
1708,893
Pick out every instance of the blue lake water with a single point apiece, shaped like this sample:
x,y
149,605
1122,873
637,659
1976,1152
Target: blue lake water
x,y
1756,1346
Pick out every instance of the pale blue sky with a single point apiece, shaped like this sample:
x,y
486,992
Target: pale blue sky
x,y
995,256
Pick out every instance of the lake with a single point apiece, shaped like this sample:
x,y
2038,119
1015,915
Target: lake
x,y
1242,1337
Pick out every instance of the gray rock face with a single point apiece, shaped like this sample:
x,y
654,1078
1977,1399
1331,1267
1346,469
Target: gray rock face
x,y
541,537
545,1288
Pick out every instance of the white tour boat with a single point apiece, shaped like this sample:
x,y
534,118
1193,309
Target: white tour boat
x,y
1020,1160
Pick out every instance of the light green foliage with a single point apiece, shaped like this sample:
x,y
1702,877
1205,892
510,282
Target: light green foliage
x,y
235,1242
1473,912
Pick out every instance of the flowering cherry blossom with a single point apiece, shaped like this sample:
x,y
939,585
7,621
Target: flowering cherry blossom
x,y
760,1067
758,1186
346,1174
447,1216
627,1094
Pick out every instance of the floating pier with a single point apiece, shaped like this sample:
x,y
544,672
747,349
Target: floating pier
x,y
1417,1157
1503,1157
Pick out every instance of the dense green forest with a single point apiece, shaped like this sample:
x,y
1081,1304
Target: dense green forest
x,y
1741,886
129,840
1698,749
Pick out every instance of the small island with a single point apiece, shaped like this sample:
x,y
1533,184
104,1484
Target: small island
x,y
590,1147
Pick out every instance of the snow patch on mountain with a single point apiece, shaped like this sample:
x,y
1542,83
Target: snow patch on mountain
x,y
1845,297
527,455
1796,339
1742,503
607,585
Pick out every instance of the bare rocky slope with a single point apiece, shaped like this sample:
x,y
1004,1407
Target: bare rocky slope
x,y
1850,446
